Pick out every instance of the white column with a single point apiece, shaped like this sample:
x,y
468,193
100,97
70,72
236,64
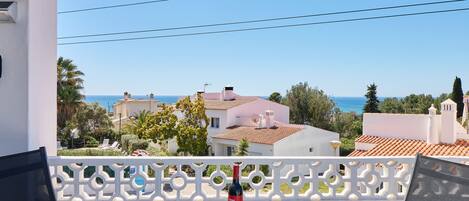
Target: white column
x,y
28,85
432,136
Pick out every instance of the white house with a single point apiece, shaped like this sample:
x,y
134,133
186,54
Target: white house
x,y
129,107
282,140
265,124
408,134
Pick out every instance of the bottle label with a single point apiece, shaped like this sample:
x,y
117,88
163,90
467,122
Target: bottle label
x,y
235,198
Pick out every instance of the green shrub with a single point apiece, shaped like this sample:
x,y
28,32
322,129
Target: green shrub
x,y
90,142
125,141
135,144
347,146
153,151
89,152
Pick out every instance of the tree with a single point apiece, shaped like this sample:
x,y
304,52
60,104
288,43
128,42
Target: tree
x,y
372,101
69,85
467,93
458,95
275,97
243,147
417,104
92,121
139,123
192,129
162,125
309,106
391,105
348,124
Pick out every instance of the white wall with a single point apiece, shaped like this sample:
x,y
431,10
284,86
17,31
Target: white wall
x,y
223,122
282,112
403,126
254,148
28,85
299,143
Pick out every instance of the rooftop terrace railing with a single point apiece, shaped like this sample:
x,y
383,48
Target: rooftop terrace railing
x,y
206,178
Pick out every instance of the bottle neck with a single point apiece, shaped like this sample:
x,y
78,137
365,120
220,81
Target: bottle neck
x,y
236,172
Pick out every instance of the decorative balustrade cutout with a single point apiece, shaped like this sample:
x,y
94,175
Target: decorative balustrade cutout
x,y
206,178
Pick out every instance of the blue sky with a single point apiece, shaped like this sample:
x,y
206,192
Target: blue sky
x,y
420,54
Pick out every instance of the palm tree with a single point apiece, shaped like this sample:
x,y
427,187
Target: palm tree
x,y
69,86
139,124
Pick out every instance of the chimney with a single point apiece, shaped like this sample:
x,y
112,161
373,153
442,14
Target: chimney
x,y
126,95
261,123
448,122
269,118
228,93
432,135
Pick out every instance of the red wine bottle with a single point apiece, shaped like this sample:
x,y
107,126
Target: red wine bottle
x,y
235,192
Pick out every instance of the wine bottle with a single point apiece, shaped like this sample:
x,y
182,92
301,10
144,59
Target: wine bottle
x,y
235,192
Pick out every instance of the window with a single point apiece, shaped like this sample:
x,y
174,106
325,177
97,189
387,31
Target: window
x,y
230,150
215,122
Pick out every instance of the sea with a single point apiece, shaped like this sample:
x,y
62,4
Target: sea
x,y
346,104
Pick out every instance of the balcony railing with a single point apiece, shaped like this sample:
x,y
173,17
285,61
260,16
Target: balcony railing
x,y
205,178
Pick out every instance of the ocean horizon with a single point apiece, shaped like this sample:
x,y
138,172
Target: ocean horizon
x,y
345,104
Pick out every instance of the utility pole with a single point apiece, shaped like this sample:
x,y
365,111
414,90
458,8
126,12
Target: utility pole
x,y
120,123
151,99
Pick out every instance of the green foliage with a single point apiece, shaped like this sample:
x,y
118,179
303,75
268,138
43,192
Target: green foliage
x,y
348,124
347,146
192,129
69,85
243,147
161,126
372,101
391,105
417,104
467,93
138,124
309,106
458,95
153,151
275,97
92,120
412,104
125,139
90,142
89,152
135,144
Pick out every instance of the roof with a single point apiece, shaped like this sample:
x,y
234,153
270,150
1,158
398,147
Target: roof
x,y
224,105
405,147
449,102
258,135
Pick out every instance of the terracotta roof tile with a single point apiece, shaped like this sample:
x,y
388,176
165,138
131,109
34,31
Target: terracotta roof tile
x,y
256,135
406,147
224,105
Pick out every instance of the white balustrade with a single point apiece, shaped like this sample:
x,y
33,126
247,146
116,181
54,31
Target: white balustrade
x,y
265,178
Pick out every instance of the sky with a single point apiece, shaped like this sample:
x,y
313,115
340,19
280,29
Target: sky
x,y
417,54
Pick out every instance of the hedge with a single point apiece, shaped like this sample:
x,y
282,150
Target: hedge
x,y
90,142
125,141
89,152
135,144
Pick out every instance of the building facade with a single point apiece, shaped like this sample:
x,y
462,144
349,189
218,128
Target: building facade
x,y
408,134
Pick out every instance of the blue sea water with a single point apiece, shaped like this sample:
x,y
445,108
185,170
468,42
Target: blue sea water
x,y
346,104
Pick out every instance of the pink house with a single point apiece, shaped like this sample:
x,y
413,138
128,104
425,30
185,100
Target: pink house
x,y
265,124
